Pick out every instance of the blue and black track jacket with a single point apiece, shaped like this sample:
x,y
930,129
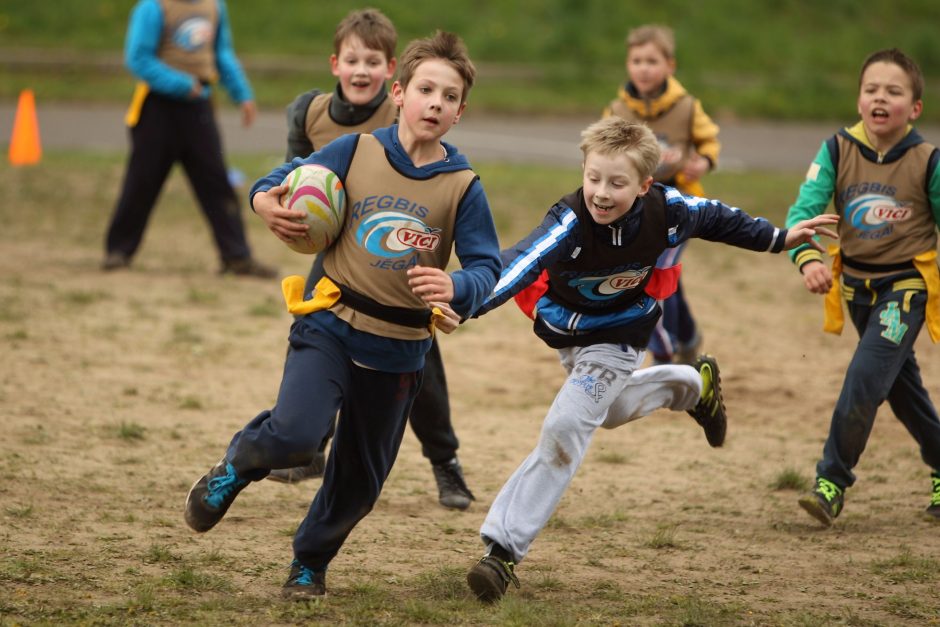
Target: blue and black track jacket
x,y
597,272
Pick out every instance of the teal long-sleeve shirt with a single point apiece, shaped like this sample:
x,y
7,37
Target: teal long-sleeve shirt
x,y
140,56
816,193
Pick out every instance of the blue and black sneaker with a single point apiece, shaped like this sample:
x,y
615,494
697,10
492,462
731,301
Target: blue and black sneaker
x,y
211,496
304,583
933,509
824,502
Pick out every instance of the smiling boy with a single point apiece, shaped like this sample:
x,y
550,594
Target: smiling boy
x,y
599,247
359,345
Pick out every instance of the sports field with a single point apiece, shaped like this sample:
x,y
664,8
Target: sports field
x,y
120,389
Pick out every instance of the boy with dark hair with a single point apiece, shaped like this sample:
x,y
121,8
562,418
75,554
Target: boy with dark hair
x,y
361,349
885,184
599,246
689,149
363,59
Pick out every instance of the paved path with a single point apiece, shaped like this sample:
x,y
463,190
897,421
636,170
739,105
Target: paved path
x,y
780,147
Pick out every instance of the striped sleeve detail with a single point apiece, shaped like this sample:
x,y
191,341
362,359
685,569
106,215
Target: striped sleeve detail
x,y
806,255
529,258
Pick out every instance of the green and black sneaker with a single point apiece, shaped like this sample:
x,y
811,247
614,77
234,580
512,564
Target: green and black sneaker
x,y
933,509
824,502
709,412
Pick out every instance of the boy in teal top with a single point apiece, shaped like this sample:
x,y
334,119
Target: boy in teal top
x,y
363,59
884,182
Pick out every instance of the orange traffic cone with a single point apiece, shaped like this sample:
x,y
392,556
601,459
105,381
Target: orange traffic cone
x,y
25,148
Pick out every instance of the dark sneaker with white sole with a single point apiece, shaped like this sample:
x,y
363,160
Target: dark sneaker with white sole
x,y
451,488
304,583
709,413
212,495
490,577
824,502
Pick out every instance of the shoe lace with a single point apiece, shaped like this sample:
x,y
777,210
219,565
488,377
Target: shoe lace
x,y
828,489
503,568
304,575
221,488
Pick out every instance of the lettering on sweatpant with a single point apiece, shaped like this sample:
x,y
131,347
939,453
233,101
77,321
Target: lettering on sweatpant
x,y
593,379
890,318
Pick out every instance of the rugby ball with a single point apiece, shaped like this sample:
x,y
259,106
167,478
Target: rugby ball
x,y
319,193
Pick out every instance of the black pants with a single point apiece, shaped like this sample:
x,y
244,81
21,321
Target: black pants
x,y
169,131
319,380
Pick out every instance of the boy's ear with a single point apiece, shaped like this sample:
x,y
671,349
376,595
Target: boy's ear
x,y
392,66
334,65
917,110
463,106
398,94
645,187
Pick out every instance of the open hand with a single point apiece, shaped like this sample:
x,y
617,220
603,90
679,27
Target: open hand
x,y
803,232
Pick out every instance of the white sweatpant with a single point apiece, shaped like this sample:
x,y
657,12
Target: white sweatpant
x,y
604,388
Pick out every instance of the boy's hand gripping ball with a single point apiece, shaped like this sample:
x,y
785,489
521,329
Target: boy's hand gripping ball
x,y
318,192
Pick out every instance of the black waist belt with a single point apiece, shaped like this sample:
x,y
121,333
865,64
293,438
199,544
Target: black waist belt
x,y
848,262
414,318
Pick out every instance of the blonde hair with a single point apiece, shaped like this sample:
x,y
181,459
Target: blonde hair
x,y
371,26
614,135
661,36
442,45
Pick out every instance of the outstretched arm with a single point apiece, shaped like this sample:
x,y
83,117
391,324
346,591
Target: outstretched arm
x,y
804,231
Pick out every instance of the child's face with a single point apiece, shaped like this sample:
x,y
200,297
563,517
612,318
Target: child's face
x,y
648,68
886,102
611,184
361,71
431,103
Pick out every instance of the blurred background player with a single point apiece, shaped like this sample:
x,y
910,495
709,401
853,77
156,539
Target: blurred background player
x,y
689,142
884,181
179,49
363,60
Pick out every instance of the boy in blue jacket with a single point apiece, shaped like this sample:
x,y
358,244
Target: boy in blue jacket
x,y
598,248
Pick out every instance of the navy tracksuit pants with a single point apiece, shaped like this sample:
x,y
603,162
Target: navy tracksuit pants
x,y
319,379
168,131
430,416
883,368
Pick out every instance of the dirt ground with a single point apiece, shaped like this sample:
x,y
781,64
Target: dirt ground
x,y
119,390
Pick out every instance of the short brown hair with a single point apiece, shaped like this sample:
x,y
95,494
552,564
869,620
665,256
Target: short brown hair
x,y
898,58
661,36
371,26
442,45
614,135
